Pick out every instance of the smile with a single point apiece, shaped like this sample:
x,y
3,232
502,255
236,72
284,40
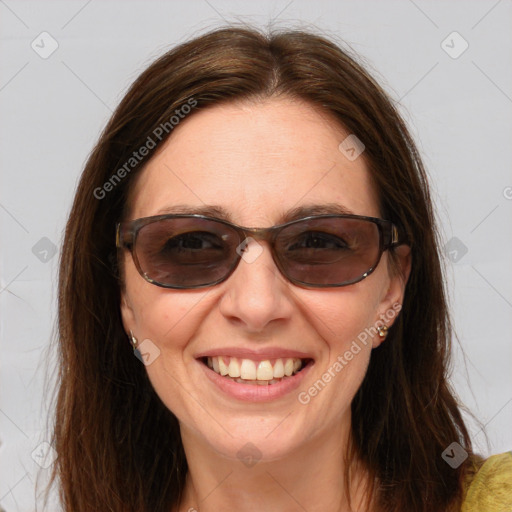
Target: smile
x,y
256,372
255,375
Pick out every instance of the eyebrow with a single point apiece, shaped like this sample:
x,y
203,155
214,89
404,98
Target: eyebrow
x,y
299,212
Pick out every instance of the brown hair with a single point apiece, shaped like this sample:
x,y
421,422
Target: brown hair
x,y
118,446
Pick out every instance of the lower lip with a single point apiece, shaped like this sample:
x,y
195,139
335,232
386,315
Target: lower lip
x,y
256,392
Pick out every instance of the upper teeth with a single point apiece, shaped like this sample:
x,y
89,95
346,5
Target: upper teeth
x,y
248,369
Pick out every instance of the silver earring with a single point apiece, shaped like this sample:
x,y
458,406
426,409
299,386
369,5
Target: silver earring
x,y
133,340
383,331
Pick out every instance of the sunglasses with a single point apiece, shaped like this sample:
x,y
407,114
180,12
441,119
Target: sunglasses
x,y
193,251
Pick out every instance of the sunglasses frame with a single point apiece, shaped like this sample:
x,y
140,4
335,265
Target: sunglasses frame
x,y
126,237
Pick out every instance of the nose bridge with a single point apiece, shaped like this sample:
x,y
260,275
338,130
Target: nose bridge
x,y
259,235
265,234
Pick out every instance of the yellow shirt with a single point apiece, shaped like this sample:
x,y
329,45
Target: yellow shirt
x,y
489,487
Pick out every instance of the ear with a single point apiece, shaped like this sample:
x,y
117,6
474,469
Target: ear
x,y
127,313
393,298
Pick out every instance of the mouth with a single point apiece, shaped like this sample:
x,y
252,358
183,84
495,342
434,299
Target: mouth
x,y
266,372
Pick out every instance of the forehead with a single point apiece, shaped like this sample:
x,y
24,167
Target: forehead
x,y
256,161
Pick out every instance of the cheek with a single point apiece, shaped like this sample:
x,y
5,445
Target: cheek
x,y
340,316
169,319
344,319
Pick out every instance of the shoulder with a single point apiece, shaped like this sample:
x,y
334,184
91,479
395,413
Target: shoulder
x,y
488,485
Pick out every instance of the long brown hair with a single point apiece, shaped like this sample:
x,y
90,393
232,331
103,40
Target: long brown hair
x,y
119,447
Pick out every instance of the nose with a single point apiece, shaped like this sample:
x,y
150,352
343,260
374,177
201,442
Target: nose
x,y
256,294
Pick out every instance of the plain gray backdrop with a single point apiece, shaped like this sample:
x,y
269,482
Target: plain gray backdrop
x,y
65,65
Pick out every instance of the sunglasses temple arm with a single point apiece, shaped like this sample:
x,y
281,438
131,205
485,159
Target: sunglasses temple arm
x,y
395,238
123,239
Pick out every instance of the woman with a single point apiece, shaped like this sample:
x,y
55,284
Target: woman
x,y
255,223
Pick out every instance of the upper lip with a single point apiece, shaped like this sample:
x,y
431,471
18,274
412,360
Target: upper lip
x,y
255,355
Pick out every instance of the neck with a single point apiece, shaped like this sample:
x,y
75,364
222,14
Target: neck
x,y
311,478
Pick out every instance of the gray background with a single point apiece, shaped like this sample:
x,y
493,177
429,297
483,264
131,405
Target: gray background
x,y
52,109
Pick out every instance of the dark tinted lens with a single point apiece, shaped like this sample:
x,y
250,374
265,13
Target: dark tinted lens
x,y
185,251
329,250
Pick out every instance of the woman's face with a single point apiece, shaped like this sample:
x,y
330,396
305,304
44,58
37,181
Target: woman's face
x,y
257,162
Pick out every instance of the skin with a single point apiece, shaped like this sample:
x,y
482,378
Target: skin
x,y
258,160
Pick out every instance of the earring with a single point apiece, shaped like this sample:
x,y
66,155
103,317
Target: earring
x,y
383,331
133,340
